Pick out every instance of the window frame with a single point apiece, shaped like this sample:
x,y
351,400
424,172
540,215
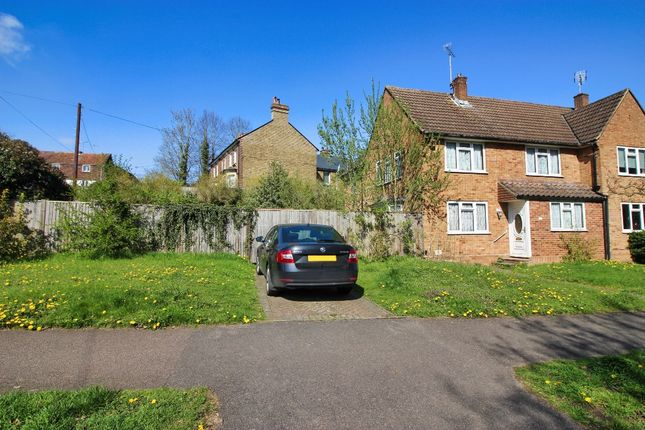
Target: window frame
x,y
398,165
472,158
56,166
548,160
379,173
631,210
573,228
326,178
89,168
459,204
637,151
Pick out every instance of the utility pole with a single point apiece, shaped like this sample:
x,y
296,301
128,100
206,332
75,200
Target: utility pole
x,y
77,144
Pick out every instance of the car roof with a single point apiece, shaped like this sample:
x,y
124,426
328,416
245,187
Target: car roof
x,y
303,225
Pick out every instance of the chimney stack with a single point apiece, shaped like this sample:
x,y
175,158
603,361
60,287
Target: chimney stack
x,y
580,100
279,111
460,87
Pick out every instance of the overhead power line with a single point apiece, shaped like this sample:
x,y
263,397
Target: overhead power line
x,y
33,123
124,119
37,98
87,136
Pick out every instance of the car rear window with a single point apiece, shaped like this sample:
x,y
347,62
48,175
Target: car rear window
x,y
310,234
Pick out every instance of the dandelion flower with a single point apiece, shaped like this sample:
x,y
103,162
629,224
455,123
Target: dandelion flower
x,y
153,401
588,399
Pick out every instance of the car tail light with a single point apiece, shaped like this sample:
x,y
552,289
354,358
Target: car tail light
x,y
284,256
353,256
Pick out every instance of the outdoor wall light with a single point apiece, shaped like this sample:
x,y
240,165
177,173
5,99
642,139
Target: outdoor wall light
x,y
499,213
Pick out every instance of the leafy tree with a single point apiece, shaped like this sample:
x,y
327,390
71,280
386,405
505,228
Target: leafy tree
x,y
19,242
274,190
216,191
23,171
346,135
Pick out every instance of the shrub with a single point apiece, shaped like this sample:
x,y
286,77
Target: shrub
x,y
636,245
216,191
19,242
578,248
110,229
407,238
24,172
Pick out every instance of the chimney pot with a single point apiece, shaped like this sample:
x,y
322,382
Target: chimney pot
x,y
278,110
460,87
580,100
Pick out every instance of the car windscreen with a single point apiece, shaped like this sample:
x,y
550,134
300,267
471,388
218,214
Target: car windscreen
x,y
306,233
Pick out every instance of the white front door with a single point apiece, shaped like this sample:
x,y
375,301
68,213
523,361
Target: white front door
x,y
519,229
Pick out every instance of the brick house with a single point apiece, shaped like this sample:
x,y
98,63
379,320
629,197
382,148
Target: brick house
x,y
248,157
91,167
523,176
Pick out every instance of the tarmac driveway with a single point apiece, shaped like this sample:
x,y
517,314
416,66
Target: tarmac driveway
x,y
350,374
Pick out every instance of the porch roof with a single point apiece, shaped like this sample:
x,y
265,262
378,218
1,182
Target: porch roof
x,y
546,190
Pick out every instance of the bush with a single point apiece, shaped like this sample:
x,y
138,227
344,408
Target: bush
x,y
578,249
636,245
19,242
216,191
111,229
24,172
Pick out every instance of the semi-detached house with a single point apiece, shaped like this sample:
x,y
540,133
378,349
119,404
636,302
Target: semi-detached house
x,y
523,176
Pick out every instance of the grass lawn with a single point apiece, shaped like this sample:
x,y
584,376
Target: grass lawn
x,y
100,408
599,393
151,291
413,286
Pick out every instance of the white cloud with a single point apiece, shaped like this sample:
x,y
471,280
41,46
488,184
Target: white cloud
x,y
12,44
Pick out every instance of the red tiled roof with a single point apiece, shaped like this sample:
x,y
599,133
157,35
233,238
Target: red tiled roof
x,y
543,190
589,121
506,120
66,162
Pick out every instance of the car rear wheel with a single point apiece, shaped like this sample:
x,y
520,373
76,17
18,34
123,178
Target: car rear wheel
x,y
271,290
346,289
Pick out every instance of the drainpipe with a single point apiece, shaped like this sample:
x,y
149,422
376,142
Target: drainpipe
x,y
605,203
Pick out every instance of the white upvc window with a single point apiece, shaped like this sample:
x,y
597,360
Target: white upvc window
x,y
467,217
465,157
633,217
542,161
86,168
398,165
567,216
387,174
631,161
56,166
235,157
326,178
231,179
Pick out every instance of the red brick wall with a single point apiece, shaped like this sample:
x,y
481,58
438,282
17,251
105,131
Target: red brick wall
x,y
626,128
547,245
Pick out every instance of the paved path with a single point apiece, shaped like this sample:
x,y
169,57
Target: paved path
x,y
317,304
357,374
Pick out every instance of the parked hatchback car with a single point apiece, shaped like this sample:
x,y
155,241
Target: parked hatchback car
x,y
292,256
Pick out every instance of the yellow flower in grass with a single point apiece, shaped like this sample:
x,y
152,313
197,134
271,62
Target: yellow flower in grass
x,y
547,382
588,399
153,401
133,400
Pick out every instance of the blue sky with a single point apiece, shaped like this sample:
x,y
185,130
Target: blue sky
x,y
140,60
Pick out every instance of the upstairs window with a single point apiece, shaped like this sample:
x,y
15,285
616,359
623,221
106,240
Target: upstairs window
x,y
631,161
398,165
567,216
633,217
465,157
542,161
86,168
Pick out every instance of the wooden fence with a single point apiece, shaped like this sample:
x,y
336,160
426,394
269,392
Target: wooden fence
x,y
44,215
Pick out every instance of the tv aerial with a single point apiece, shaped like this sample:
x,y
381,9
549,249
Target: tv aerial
x,y
448,48
580,77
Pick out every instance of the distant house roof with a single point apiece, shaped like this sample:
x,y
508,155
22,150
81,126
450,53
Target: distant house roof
x,y
326,163
65,161
506,120
546,190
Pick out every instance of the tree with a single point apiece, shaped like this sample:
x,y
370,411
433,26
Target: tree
x,y
23,171
212,130
176,156
235,127
346,135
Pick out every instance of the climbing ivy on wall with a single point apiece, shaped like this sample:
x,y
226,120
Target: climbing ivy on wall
x,y
178,224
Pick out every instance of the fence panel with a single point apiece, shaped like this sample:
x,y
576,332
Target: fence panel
x,y
44,214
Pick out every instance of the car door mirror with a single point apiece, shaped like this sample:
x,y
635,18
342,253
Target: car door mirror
x,y
259,239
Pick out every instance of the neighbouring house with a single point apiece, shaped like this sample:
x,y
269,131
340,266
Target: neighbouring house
x,y
327,166
249,156
91,167
523,177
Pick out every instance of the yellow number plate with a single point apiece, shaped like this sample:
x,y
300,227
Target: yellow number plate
x,y
321,258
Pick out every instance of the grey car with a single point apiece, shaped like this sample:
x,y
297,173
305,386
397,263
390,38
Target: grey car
x,y
293,256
